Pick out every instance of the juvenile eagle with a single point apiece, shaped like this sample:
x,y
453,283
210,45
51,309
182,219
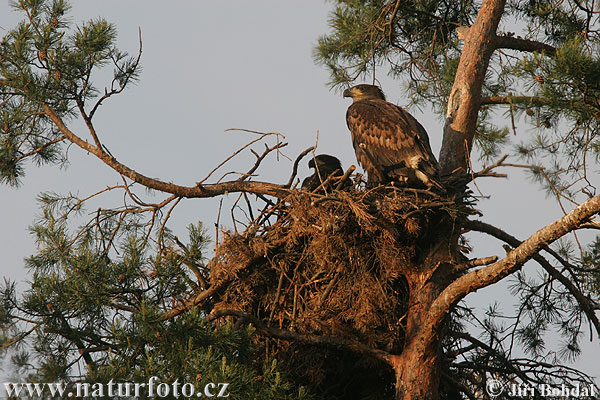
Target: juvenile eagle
x,y
325,166
390,144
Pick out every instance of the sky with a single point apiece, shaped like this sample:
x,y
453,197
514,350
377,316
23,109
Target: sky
x,y
211,66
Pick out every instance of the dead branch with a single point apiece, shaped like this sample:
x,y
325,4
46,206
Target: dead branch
x,y
485,172
164,223
238,151
198,191
295,170
259,159
478,262
345,177
20,337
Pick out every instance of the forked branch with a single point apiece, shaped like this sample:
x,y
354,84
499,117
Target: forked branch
x,y
512,262
583,301
198,191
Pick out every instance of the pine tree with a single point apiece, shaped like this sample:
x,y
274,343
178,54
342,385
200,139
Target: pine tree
x,y
455,58
353,293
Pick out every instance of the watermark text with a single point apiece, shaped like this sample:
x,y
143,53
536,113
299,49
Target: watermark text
x,y
152,388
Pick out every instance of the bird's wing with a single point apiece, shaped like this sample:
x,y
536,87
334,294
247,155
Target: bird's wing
x,y
375,145
390,133
386,137
411,133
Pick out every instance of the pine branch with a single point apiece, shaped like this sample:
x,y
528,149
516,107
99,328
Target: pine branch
x,y
525,100
41,148
583,301
520,44
199,191
252,261
514,260
495,353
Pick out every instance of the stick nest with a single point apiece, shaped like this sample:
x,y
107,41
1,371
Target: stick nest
x,y
334,265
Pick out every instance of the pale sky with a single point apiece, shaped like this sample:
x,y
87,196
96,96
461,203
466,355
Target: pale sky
x,y
210,66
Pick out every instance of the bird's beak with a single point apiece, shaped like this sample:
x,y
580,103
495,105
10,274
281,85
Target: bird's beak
x,y
347,93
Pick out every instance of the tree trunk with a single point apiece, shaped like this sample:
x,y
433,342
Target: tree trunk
x,y
465,98
418,369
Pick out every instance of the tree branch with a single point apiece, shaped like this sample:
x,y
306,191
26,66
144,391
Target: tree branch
x,y
295,169
41,148
234,271
478,262
583,301
199,191
525,100
512,262
520,44
495,353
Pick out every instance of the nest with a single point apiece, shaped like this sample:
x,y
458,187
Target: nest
x,y
334,265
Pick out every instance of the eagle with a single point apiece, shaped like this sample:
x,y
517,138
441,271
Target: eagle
x,y
324,166
390,144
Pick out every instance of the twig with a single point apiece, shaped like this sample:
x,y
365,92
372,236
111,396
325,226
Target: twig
x,y
235,153
164,224
192,265
295,169
233,220
113,91
42,147
217,223
260,158
249,206
489,168
345,177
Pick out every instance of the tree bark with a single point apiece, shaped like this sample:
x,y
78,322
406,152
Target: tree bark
x,y
465,97
417,368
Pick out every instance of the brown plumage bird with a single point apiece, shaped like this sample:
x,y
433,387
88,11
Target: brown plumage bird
x,y
390,144
324,166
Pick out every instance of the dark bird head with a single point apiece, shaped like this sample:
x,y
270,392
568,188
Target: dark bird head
x,y
325,166
325,162
364,92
